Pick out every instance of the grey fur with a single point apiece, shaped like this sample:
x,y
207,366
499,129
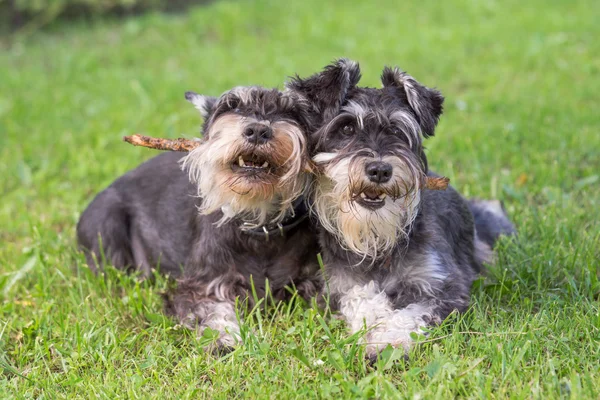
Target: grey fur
x,y
427,274
149,218
491,220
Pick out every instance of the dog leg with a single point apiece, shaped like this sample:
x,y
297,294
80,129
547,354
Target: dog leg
x,y
220,317
310,281
363,306
200,306
397,327
491,221
140,255
367,306
103,232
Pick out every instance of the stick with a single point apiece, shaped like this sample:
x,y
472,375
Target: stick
x,y
440,183
162,144
181,144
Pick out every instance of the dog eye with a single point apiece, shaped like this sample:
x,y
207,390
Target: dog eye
x,y
348,129
233,104
395,130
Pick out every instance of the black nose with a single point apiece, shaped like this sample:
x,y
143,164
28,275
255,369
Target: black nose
x,y
379,172
258,133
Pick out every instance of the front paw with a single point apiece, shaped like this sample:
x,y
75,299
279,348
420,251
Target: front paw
x,y
396,331
221,340
378,339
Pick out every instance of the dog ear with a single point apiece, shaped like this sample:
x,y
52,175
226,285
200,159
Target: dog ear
x,y
204,104
426,103
327,90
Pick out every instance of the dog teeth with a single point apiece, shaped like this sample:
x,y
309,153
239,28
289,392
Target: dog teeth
x,y
251,164
381,197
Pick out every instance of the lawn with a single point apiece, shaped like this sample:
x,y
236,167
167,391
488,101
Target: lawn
x,y
521,123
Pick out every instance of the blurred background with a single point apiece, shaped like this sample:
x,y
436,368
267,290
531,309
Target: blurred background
x,y
521,124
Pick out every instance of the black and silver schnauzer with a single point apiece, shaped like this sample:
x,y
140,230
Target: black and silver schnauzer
x,y
228,215
231,215
398,258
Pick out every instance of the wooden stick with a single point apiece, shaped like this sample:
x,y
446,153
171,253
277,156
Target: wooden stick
x,y
162,144
181,144
433,183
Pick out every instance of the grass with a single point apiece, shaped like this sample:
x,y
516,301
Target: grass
x,y
522,82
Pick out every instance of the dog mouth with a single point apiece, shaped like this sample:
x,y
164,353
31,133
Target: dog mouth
x,y
251,164
371,199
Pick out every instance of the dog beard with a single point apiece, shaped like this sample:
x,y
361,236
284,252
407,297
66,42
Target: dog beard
x,y
260,194
360,229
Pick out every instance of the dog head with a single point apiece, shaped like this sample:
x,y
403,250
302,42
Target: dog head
x,y
372,163
326,91
252,160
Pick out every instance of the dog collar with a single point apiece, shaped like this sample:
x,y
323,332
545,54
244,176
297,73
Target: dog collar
x,y
267,231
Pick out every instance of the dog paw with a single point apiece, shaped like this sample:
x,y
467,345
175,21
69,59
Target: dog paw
x,y
374,356
396,330
379,339
223,340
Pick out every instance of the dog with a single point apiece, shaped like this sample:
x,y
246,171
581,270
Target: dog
x,y
398,258
229,215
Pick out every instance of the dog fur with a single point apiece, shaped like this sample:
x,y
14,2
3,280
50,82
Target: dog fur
x,y
397,258
200,218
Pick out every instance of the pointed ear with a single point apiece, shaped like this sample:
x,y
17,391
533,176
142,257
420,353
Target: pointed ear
x,y
204,104
426,103
327,90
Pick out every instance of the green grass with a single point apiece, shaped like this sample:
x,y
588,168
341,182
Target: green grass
x,y
522,82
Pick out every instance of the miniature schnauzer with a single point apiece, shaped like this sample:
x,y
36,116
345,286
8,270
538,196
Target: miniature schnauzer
x,y
398,258
228,215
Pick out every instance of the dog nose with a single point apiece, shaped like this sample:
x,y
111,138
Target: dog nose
x,y
258,133
379,172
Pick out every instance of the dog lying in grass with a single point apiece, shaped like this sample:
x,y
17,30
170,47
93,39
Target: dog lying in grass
x,y
231,216
397,258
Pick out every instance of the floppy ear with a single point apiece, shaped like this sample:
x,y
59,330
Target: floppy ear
x,y
425,102
327,90
204,104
